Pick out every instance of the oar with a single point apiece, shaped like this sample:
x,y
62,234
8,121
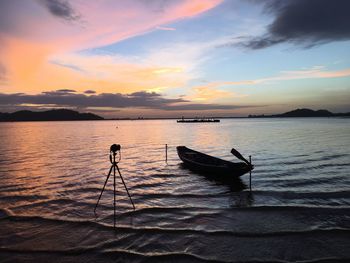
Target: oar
x,y
239,156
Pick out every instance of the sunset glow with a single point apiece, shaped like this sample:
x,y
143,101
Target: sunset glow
x,y
200,51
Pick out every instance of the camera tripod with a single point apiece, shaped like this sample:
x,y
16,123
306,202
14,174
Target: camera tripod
x,y
113,151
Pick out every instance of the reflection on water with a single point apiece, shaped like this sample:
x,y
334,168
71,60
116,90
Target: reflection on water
x,y
51,174
235,184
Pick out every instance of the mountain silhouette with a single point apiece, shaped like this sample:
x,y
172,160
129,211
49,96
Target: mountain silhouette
x,y
302,113
307,113
50,115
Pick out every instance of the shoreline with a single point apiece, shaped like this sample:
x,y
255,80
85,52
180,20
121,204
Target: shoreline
x,y
148,119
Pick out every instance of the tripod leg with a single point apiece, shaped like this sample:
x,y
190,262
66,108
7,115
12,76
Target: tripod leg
x,y
114,193
125,187
109,173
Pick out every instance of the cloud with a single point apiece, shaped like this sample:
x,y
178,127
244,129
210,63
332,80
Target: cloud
x,y
304,23
59,92
210,90
200,107
89,91
73,67
161,68
105,21
61,9
165,28
142,99
31,29
317,72
108,73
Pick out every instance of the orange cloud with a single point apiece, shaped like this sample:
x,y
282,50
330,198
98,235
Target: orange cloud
x,y
210,91
40,36
118,74
312,73
22,60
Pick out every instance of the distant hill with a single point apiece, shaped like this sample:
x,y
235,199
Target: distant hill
x,y
50,115
302,113
306,113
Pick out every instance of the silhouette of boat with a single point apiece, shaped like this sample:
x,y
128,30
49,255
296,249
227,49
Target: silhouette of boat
x,y
207,164
197,120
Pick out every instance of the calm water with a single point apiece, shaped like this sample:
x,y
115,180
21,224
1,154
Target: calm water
x,y
51,174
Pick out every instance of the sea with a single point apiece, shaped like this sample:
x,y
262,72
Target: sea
x,y
297,210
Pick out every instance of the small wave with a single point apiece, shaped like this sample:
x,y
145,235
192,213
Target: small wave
x,y
147,185
115,254
320,159
16,198
174,195
163,175
306,208
60,201
177,209
98,224
301,195
334,156
15,187
4,213
110,247
296,178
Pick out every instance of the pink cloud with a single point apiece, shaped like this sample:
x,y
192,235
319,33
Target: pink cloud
x,y
100,23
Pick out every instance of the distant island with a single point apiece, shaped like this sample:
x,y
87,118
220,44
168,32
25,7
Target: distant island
x,y
50,115
303,113
70,115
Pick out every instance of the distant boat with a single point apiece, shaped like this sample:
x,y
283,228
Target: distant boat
x,y
204,163
197,120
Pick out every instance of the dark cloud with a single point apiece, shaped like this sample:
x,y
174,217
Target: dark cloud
x,y
14,14
66,90
60,92
304,22
142,99
61,9
89,91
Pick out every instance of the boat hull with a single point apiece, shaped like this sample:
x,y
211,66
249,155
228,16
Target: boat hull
x,y
207,164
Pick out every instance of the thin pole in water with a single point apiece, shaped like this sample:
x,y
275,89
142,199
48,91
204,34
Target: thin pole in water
x,y
250,173
166,153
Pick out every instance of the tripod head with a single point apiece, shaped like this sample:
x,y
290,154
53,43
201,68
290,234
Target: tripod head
x,y
114,149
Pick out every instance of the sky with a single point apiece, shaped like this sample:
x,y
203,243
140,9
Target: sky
x,y
173,58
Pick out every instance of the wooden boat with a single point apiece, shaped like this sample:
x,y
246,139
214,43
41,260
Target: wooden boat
x,y
204,163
